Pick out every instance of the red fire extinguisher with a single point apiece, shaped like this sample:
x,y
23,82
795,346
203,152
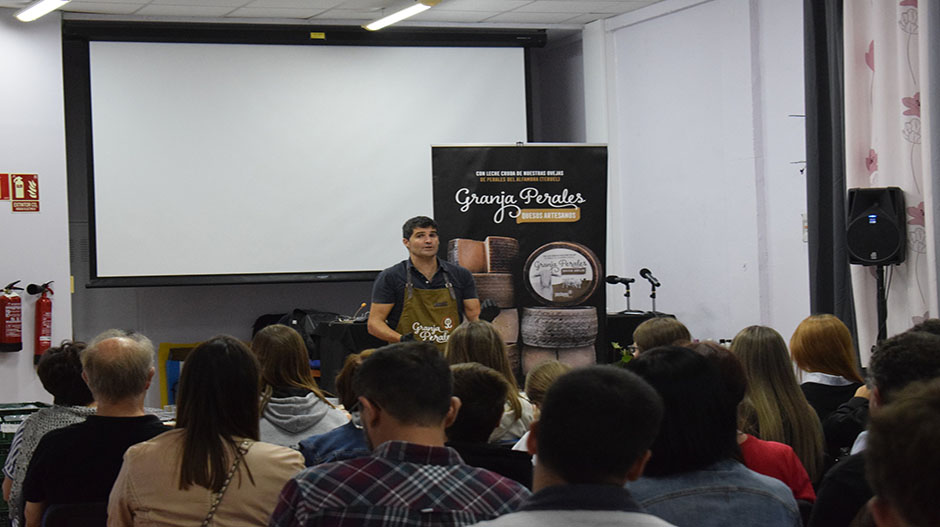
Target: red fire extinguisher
x,y
11,325
43,318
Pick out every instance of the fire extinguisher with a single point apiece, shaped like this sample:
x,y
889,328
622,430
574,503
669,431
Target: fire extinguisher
x,y
43,318
11,326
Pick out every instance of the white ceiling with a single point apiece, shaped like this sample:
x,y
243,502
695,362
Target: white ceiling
x,y
517,13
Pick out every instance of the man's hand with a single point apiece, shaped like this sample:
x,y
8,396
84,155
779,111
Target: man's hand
x,y
489,310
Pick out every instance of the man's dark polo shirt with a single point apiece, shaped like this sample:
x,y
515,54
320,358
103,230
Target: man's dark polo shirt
x,y
79,463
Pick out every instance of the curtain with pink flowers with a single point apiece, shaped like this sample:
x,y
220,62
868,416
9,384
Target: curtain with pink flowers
x,y
885,136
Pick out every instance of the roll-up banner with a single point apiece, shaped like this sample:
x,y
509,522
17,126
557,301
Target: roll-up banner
x,y
529,221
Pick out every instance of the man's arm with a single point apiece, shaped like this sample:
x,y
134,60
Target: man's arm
x,y
33,513
7,487
471,309
377,326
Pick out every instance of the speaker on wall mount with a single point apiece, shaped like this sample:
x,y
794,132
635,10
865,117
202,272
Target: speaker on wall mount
x,y
876,228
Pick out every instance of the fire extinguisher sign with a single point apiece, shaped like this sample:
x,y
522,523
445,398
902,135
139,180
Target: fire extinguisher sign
x,y
24,192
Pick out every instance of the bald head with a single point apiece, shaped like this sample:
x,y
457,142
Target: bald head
x,y
118,365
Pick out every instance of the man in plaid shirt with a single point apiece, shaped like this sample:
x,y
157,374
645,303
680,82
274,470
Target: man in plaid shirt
x,y
411,478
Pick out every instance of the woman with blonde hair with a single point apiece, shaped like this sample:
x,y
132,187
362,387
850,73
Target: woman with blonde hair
x,y
478,341
822,348
292,405
774,408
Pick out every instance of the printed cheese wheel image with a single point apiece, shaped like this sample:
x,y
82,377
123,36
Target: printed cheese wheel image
x,y
501,253
507,324
497,287
559,327
562,273
577,357
469,254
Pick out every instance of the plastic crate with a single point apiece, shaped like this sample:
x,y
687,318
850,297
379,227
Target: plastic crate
x,y
11,416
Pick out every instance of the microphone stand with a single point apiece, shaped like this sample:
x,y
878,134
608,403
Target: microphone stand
x,y
653,296
626,295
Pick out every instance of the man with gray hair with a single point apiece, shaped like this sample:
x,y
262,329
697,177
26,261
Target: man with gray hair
x,y
79,463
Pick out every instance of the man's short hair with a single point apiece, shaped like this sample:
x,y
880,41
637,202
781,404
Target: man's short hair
x,y
482,392
595,423
418,222
409,380
902,359
930,325
117,364
660,331
60,371
902,459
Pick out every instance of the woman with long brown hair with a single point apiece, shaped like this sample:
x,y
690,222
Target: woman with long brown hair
x,y
774,408
292,405
211,468
478,341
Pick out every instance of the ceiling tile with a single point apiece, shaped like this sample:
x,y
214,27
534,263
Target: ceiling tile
x,y
575,8
434,15
201,3
106,8
184,10
532,18
295,4
480,5
274,12
347,14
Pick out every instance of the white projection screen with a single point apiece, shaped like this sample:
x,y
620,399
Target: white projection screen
x,y
245,159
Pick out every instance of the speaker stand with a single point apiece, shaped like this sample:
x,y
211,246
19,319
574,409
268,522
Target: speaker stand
x,y
882,303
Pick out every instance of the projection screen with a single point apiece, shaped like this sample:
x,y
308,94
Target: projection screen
x,y
240,159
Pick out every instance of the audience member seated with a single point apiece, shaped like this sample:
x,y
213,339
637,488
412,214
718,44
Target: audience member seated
x,y
478,341
537,383
79,463
482,392
60,372
406,394
292,405
822,349
895,363
659,331
347,441
769,458
211,468
774,408
847,423
903,468
593,436
693,477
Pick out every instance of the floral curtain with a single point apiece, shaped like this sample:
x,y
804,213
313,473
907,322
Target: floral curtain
x,y
884,129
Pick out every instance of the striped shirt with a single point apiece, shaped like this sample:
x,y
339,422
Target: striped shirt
x,y
401,484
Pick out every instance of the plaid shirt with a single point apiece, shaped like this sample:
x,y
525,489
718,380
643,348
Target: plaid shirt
x,y
401,484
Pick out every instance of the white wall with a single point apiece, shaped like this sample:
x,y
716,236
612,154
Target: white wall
x,y
701,145
32,140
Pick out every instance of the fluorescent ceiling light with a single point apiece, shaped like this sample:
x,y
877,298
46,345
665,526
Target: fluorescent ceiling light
x,y
398,16
39,8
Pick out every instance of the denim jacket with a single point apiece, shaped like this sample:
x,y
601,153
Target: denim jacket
x,y
346,442
725,493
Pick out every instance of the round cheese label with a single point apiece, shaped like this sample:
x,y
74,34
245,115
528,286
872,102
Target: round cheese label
x,y
562,273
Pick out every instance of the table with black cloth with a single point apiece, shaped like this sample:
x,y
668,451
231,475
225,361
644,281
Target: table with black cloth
x,y
620,328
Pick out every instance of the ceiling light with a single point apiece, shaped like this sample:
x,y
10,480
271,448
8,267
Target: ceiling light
x,y
38,9
398,16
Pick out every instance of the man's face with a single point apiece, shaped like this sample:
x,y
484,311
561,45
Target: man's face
x,y
423,242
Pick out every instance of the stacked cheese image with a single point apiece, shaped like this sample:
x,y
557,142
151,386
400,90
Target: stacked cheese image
x,y
491,261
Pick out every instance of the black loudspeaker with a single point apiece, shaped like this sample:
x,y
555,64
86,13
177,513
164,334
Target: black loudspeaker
x,y
876,228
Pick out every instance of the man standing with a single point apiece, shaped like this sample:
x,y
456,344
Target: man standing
x,y
593,436
423,297
79,463
411,478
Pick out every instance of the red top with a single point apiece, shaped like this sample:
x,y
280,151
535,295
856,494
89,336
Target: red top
x,y
779,461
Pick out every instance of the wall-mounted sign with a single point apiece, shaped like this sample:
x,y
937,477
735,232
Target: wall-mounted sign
x,y
25,192
4,187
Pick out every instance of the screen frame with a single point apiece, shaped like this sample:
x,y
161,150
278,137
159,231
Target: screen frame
x,y
77,35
